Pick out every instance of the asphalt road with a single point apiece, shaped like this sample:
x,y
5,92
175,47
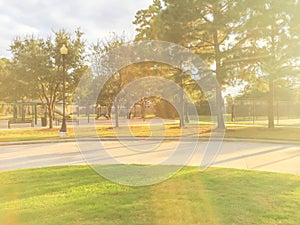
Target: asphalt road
x,y
244,155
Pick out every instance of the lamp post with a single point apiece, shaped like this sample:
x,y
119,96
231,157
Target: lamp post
x,y
63,129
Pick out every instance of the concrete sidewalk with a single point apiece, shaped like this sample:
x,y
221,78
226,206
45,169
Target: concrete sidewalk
x,y
276,157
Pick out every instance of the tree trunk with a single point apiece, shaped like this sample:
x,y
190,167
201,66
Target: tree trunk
x,y
50,115
219,100
143,105
109,106
117,113
187,120
271,104
181,103
181,108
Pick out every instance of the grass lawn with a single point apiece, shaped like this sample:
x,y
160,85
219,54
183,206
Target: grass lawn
x,y
250,132
286,133
77,195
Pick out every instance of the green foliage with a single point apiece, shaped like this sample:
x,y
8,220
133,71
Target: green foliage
x,y
271,34
108,83
212,29
37,64
8,92
164,109
240,40
145,20
205,27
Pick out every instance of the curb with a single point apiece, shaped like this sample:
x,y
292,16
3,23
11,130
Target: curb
x,y
73,140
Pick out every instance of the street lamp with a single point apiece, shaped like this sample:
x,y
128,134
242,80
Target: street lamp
x,y
63,129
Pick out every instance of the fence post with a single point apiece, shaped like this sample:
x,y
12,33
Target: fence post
x,y
35,114
23,112
15,110
232,112
253,111
277,112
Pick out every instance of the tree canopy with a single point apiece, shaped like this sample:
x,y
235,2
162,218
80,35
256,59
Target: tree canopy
x,y
240,40
37,63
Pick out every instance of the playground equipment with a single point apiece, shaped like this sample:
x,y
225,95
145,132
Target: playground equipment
x,y
28,113
19,112
102,111
59,111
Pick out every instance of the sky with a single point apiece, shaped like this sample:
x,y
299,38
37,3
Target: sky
x,y
96,18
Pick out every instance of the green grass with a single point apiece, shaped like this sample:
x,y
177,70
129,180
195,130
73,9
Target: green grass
x,y
249,132
77,195
287,133
30,134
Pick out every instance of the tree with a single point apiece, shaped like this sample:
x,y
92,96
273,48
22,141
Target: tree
x,y
5,91
273,36
212,29
144,20
239,39
16,89
85,91
37,63
112,83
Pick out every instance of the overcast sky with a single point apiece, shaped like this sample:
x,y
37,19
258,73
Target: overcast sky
x,y
96,18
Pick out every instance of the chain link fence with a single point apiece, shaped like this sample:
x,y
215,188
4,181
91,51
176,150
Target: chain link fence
x,y
256,111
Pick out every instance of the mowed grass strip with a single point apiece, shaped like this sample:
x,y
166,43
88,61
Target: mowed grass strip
x,y
79,196
248,132
103,131
286,133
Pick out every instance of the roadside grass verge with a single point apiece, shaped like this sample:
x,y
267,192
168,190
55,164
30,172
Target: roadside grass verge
x,y
77,196
287,133
247,132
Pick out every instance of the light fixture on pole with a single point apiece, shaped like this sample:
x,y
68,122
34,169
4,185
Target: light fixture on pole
x,y
63,129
